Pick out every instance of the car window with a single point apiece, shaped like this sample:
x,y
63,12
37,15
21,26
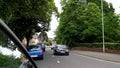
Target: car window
x,y
12,52
89,29
9,53
33,47
43,45
62,46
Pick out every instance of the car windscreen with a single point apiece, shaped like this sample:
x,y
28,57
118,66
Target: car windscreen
x,y
62,46
33,47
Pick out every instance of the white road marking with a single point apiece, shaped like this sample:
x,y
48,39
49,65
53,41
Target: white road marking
x,y
53,56
98,59
58,61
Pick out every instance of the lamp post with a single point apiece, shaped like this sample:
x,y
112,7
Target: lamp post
x,y
102,26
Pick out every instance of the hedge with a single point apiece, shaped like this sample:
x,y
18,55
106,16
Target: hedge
x,y
9,61
112,46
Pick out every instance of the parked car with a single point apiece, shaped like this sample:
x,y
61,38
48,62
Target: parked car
x,y
22,60
35,51
60,49
42,46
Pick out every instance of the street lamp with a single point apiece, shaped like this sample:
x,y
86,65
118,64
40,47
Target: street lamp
x,y
103,26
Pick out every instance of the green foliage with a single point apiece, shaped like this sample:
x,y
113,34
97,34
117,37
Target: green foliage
x,y
81,23
48,43
107,7
9,61
111,46
92,23
24,15
3,39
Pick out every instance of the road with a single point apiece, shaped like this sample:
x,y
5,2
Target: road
x,y
74,60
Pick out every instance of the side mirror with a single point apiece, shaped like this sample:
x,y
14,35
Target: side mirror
x,y
26,64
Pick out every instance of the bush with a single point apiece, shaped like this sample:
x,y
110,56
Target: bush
x,y
9,61
48,43
112,46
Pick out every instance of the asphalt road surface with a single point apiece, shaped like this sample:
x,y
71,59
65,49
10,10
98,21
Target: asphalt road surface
x,y
74,60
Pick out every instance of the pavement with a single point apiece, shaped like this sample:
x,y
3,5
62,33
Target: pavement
x,y
100,55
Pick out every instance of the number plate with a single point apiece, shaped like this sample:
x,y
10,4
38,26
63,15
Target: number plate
x,y
33,55
62,51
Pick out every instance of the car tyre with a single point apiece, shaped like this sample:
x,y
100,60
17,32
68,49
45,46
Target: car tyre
x,y
54,53
67,54
40,58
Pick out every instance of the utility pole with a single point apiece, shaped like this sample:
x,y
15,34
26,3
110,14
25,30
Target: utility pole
x,y
103,26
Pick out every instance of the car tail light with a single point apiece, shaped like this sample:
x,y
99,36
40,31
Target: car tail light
x,y
41,52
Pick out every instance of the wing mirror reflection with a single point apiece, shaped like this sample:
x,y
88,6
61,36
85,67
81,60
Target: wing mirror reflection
x,y
26,64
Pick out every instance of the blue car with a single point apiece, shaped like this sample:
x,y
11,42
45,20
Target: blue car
x,y
42,46
35,51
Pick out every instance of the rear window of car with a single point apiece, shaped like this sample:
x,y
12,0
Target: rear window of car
x,y
62,46
33,47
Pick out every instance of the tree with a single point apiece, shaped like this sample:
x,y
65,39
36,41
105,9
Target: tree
x,y
81,22
23,16
92,31
68,30
78,26
111,21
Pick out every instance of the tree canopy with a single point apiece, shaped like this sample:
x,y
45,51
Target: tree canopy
x,y
80,22
23,16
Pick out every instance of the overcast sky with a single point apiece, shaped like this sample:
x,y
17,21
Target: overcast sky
x,y
116,5
54,23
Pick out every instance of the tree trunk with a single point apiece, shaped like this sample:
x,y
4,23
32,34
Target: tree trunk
x,y
28,37
27,41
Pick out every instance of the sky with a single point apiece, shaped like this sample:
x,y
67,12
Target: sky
x,y
54,22
7,51
116,5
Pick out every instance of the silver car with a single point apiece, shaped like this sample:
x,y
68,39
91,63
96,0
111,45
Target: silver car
x,y
60,49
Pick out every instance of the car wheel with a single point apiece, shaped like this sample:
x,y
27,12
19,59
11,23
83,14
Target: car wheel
x,y
67,53
54,53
